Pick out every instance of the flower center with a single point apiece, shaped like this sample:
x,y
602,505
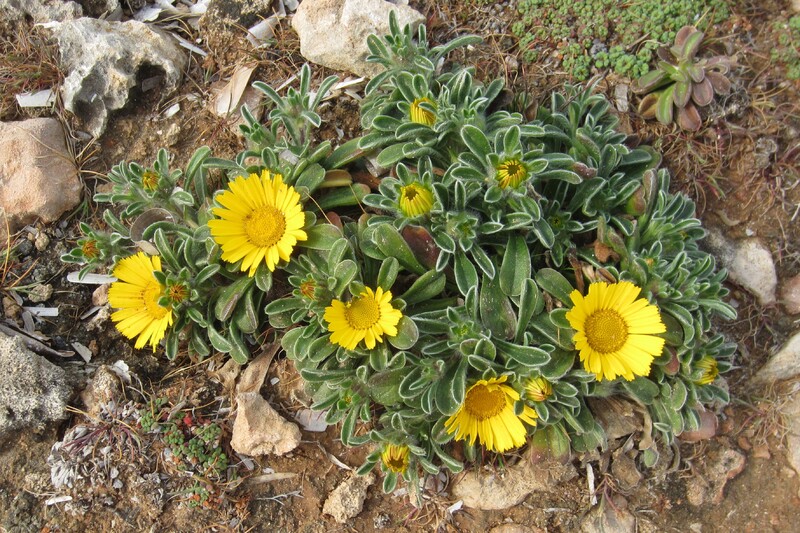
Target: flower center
x,y
89,249
511,173
177,293
362,313
150,180
410,192
606,331
265,226
484,403
151,293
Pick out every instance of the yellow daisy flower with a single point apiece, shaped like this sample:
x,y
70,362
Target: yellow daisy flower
x,y
366,317
487,414
395,458
615,331
710,370
415,199
420,115
538,389
136,296
261,218
510,173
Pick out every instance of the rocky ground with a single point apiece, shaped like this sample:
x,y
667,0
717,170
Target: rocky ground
x,y
90,426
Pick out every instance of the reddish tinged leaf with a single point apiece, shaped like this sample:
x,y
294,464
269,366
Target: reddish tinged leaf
x,y
703,93
664,54
719,82
707,429
696,72
691,45
647,107
689,118
650,81
421,243
682,35
720,64
682,93
664,105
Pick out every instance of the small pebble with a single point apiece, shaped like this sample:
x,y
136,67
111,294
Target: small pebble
x,y
40,293
25,248
42,241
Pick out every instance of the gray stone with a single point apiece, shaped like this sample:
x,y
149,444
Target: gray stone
x,y
333,33
721,465
33,391
40,293
40,10
104,387
223,24
749,264
607,517
790,295
503,489
38,177
785,364
347,500
103,60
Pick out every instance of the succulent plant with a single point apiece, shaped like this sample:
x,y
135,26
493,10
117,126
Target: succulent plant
x,y
681,83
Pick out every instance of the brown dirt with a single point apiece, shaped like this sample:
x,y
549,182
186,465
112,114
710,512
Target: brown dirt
x,y
724,167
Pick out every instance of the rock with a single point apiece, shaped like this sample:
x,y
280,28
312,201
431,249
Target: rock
x,y
796,6
790,295
791,417
40,10
38,177
104,387
100,294
104,61
42,241
259,429
40,293
501,490
11,308
749,264
785,364
33,391
514,528
624,470
347,500
333,33
721,465
609,516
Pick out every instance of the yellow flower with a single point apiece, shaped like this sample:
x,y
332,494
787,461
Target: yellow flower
x,y
150,180
488,415
539,389
136,296
710,371
366,317
415,199
421,115
510,173
261,219
395,458
615,331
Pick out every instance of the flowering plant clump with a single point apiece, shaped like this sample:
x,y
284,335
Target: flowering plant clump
x,y
502,274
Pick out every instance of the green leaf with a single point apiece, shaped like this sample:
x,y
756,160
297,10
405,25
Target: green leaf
x,y
426,287
392,244
239,351
312,178
344,155
407,334
528,356
229,297
465,273
263,278
387,274
531,303
476,141
321,237
218,341
246,315
642,389
343,196
495,309
390,155
205,274
554,283
451,387
516,266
